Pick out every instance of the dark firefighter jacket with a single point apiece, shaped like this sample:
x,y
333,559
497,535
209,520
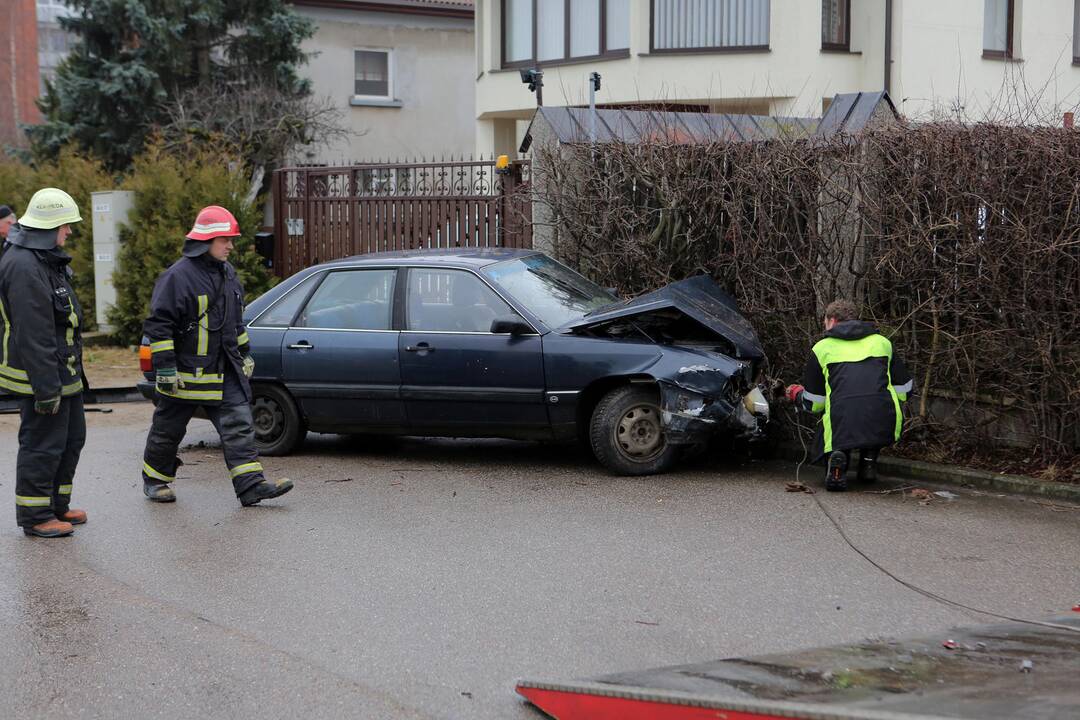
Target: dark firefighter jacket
x,y
858,383
196,326
40,321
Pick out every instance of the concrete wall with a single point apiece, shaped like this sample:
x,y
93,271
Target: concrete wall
x,y
433,76
18,70
937,57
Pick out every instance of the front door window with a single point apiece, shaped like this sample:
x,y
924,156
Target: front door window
x,y
451,301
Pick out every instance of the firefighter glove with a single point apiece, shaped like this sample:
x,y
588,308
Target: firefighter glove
x,y
794,393
49,406
249,366
167,381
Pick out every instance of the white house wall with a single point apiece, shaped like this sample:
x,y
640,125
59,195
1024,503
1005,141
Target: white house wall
x,y
433,76
940,68
937,57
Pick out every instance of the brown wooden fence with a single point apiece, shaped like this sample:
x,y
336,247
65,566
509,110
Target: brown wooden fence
x,y
325,213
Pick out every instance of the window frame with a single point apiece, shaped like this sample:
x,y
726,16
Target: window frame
x,y
846,45
390,76
1076,33
716,49
1010,29
567,58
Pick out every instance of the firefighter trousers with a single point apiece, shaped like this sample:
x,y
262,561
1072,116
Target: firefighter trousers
x,y
231,419
49,448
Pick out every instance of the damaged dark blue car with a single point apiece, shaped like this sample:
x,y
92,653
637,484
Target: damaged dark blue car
x,y
502,343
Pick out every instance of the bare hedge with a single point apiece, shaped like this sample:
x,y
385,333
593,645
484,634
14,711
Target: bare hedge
x,y
961,242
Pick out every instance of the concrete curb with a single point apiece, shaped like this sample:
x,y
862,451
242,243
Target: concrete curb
x,y
955,475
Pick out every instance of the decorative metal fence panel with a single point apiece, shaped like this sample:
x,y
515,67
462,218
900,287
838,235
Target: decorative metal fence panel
x,y
325,213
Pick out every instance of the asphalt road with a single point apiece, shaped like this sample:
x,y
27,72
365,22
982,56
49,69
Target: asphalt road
x,y
420,578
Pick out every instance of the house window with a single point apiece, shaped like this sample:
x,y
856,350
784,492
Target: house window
x,y
373,69
689,25
836,24
998,28
1076,32
553,31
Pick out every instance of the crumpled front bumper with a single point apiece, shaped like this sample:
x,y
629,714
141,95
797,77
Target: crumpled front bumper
x,y
690,415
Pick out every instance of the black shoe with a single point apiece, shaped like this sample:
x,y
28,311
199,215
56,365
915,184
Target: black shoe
x,y
264,491
836,475
158,491
867,469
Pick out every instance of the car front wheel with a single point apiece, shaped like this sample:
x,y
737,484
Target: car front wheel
x,y
278,427
627,435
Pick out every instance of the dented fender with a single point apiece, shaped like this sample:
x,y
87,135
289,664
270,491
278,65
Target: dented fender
x,y
702,393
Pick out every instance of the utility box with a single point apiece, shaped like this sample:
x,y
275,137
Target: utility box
x,y
110,210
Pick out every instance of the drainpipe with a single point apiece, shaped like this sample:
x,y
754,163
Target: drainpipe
x,y
888,45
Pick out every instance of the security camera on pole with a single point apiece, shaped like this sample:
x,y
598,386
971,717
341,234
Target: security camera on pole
x,y
594,85
534,78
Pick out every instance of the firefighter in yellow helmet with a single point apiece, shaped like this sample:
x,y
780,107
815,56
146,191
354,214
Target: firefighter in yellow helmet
x,y
41,362
201,357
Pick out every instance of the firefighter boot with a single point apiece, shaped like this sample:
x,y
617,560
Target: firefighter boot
x,y
50,529
836,475
264,491
158,491
73,516
868,466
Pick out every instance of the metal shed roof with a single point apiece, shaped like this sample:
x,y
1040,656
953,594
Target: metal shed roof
x,y
848,113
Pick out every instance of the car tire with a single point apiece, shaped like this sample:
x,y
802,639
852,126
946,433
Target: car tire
x,y
626,435
278,426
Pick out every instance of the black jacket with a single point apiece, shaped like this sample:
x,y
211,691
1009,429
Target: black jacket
x,y
196,326
855,379
40,324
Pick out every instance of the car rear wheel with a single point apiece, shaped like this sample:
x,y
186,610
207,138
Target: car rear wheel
x,y
278,427
627,435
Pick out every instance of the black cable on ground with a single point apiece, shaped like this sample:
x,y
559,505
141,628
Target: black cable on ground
x,y
909,585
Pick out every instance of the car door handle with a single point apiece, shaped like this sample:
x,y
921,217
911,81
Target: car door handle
x,y
302,345
419,347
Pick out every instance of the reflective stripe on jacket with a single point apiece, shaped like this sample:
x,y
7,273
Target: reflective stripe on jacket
x,y
40,325
196,326
854,379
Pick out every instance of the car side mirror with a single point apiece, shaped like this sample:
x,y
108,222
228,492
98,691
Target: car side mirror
x,y
510,324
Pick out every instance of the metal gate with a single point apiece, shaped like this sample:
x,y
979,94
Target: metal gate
x,y
324,213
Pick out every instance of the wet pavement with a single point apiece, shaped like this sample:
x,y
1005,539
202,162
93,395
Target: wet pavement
x,y
421,578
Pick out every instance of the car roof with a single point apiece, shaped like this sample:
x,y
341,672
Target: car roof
x,y
451,257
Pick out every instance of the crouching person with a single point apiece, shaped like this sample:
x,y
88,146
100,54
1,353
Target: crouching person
x,y
856,382
201,358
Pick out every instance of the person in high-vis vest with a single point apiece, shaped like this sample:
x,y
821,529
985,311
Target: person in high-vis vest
x,y
41,362
201,358
858,384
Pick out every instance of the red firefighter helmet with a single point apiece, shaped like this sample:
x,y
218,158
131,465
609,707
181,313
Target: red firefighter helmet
x,y
214,221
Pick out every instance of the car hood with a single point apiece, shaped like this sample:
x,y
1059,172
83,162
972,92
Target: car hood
x,y
698,298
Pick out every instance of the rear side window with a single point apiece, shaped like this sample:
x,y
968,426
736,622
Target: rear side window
x,y
283,312
351,300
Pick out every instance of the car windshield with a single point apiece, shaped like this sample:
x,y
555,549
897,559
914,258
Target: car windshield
x,y
551,291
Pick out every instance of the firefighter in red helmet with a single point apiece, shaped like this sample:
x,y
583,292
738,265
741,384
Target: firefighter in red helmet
x,y
201,358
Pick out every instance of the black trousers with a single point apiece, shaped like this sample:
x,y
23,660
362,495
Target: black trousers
x,y
231,419
49,449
